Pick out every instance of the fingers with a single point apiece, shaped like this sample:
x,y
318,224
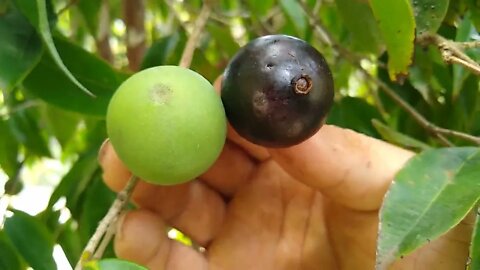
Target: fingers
x,y
232,169
142,238
352,169
193,208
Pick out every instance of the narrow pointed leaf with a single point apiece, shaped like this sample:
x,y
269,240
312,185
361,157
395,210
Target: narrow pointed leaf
x,y
429,196
20,48
398,138
32,240
113,264
44,29
397,25
429,14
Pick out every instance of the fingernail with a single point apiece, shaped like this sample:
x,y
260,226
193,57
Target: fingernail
x,y
103,151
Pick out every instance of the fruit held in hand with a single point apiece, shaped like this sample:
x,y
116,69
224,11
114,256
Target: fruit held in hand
x,y
166,124
277,91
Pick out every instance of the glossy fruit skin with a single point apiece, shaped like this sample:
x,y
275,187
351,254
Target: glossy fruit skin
x,y
166,124
260,94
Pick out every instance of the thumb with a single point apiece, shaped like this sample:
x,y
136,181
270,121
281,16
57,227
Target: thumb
x,y
350,168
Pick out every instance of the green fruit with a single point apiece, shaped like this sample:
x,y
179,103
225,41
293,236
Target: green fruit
x,y
166,124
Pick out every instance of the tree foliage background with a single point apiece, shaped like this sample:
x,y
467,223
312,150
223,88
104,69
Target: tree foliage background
x,y
405,72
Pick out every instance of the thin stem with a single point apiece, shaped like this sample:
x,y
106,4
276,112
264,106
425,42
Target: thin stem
x,y
192,42
473,68
115,209
469,44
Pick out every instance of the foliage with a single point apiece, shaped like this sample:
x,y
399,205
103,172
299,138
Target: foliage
x,y
405,72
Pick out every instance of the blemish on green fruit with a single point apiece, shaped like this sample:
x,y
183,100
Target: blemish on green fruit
x,y
166,124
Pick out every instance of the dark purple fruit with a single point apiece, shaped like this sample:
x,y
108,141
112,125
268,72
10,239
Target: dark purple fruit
x,y
277,91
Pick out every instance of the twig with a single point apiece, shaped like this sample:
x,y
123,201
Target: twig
x,y
112,214
106,239
469,44
192,41
454,59
451,51
427,125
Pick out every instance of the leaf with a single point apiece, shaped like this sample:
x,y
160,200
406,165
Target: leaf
x,y
8,149
32,239
430,195
474,7
74,183
24,126
62,123
42,17
223,38
260,8
164,51
475,245
354,113
98,199
359,20
429,14
90,10
89,69
113,264
10,259
70,241
398,138
20,49
397,25
295,13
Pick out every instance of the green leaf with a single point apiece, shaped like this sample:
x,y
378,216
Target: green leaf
x,y
260,8
295,14
359,20
398,138
74,183
29,9
8,149
20,49
429,196
354,113
70,241
63,123
90,10
113,264
48,39
25,128
474,7
164,51
10,259
32,239
98,199
223,38
429,14
397,25
475,245
60,91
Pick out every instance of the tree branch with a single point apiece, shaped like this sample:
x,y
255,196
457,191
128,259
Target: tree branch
x,y
192,41
117,207
102,38
134,15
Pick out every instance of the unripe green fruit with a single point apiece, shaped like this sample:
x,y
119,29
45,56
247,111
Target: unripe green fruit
x,y
166,124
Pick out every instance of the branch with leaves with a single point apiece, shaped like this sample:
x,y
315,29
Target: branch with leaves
x,y
438,132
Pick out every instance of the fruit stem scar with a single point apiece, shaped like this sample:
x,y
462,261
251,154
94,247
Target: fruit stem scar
x,y
302,84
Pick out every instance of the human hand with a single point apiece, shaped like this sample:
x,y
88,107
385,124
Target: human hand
x,y
311,206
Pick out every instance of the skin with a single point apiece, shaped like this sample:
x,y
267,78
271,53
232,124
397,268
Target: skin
x,y
311,206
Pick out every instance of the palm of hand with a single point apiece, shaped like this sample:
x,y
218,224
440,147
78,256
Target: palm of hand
x,y
313,206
